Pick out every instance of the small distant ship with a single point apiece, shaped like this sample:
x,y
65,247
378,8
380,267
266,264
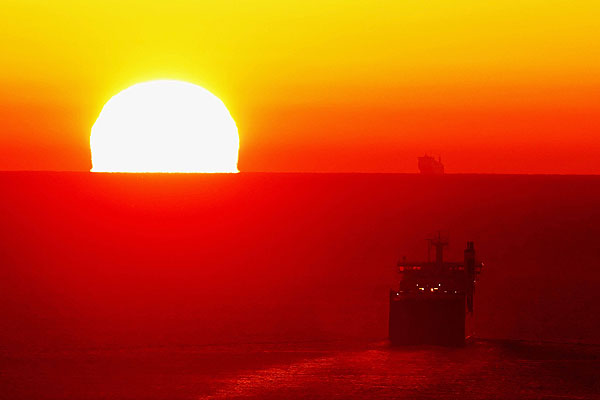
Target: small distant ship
x,y
434,301
430,166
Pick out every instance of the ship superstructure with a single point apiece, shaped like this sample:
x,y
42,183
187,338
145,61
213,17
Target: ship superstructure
x,y
434,299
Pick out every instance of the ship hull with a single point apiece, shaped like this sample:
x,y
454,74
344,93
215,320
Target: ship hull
x,y
437,319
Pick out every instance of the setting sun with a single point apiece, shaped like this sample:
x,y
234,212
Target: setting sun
x,y
164,126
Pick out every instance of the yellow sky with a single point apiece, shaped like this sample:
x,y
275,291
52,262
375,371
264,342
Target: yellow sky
x,y
62,60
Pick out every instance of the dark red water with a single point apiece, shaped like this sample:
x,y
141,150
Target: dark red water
x,y
482,370
100,262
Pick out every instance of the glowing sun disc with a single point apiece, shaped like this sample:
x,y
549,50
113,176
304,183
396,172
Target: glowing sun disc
x,y
164,126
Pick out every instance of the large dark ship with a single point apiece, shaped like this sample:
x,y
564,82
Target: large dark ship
x,y
434,302
430,166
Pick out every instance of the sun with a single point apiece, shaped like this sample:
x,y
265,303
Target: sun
x,y
164,126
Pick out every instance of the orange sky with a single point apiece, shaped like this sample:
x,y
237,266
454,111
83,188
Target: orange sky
x,y
502,86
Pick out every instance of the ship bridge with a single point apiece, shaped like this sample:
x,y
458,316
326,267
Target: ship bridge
x,y
439,277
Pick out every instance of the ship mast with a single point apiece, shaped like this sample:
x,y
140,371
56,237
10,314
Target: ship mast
x,y
438,243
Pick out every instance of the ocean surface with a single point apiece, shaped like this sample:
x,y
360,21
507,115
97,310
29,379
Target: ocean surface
x,y
276,285
481,370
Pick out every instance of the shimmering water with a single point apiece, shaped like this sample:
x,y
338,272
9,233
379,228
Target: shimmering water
x,y
482,370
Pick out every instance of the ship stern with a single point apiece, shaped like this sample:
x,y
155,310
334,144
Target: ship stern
x,y
437,319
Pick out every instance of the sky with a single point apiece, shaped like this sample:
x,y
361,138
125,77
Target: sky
x,y
501,86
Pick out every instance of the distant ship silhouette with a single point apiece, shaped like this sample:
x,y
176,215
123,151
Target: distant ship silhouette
x,y
430,166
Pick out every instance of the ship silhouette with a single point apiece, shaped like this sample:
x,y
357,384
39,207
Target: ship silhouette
x,y
430,166
434,301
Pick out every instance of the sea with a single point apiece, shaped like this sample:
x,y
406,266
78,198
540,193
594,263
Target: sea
x,y
262,285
